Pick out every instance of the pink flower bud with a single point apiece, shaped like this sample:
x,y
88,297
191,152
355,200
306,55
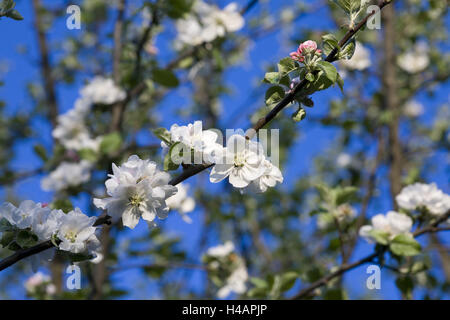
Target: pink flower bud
x,y
308,46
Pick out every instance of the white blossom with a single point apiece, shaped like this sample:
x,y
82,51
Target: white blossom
x,y
269,178
221,250
393,223
235,282
76,231
360,59
207,22
415,60
203,142
102,90
137,189
419,195
413,109
182,202
343,160
67,174
72,133
38,280
242,161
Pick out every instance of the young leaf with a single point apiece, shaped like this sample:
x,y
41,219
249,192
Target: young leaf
x,y
379,236
165,78
274,95
111,143
329,70
286,65
163,134
404,245
272,77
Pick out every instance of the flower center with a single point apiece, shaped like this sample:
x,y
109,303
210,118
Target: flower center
x,y
239,160
71,236
135,200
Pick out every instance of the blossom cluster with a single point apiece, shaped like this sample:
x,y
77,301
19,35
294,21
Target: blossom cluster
x,y
307,53
242,161
73,231
73,133
393,224
221,260
420,195
40,285
417,196
207,22
136,189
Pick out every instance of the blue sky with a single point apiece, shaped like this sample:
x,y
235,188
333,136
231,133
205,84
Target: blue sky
x,y
23,68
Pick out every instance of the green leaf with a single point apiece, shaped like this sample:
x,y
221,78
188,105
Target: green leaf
x,y
345,195
404,245
329,43
340,83
5,225
310,77
41,152
299,115
405,285
62,204
7,238
274,95
379,236
288,280
165,78
14,14
272,77
88,154
111,143
259,283
329,70
163,134
175,9
286,65
26,239
347,51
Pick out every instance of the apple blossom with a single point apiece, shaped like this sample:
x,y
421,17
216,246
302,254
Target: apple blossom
x,y
235,282
76,231
182,202
415,60
242,161
67,174
207,22
221,250
102,90
393,224
137,189
429,196
305,50
269,178
413,109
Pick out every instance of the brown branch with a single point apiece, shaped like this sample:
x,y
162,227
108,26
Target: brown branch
x,y
46,69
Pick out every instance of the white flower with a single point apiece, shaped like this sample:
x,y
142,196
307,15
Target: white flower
x,y
182,202
102,90
429,196
270,177
415,60
67,174
413,109
221,250
45,222
72,132
36,280
235,282
137,189
203,142
393,223
242,161
21,217
360,59
76,231
207,22
343,160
